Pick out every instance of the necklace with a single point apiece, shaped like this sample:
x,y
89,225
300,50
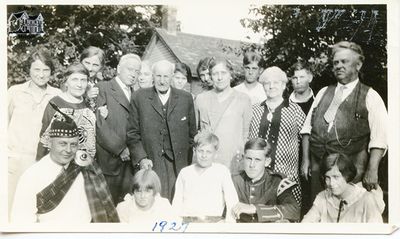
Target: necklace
x,y
271,110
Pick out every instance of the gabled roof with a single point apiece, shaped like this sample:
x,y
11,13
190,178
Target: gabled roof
x,y
190,48
19,14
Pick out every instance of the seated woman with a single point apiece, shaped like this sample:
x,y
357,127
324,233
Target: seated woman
x,y
71,102
145,205
343,201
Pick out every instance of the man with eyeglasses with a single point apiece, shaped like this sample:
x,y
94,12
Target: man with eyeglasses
x,y
112,151
252,70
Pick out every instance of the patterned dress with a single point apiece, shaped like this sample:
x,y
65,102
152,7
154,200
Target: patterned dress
x,y
283,134
84,118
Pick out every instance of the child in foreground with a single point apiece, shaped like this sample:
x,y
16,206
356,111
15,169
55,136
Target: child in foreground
x,y
145,206
204,189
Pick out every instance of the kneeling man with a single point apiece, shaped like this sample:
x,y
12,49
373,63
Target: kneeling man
x,y
264,196
61,190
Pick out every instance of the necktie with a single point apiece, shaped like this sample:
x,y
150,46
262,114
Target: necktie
x,y
330,113
341,204
128,90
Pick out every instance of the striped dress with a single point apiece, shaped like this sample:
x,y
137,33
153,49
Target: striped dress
x,y
283,134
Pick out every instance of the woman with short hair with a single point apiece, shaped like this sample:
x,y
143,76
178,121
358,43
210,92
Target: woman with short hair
x,y
343,201
146,75
71,102
93,58
225,112
279,121
26,104
182,76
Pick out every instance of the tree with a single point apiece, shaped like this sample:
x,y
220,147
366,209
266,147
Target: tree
x,y
307,32
71,28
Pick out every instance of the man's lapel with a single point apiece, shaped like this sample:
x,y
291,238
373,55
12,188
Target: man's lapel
x,y
155,102
173,100
119,94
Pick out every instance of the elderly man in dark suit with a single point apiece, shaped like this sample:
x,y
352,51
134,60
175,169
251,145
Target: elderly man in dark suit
x,y
161,127
112,151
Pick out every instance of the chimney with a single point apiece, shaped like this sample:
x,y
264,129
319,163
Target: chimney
x,y
168,21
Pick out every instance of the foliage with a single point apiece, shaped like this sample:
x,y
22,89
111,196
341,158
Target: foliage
x,y
71,28
307,32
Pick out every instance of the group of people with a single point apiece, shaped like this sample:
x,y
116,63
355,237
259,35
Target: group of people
x,y
140,147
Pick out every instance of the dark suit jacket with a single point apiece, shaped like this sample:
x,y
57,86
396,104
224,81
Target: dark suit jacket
x,y
111,132
145,122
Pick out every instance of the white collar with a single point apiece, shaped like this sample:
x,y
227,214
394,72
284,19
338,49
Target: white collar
x,y
349,86
166,95
295,100
121,84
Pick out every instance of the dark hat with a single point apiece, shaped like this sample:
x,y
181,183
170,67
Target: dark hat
x,y
64,126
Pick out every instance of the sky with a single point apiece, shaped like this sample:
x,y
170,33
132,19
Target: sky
x,y
218,19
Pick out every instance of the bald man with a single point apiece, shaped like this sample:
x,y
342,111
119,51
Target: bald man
x,y
161,127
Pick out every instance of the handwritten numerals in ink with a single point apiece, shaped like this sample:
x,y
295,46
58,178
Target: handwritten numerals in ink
x,y
165,226
360,20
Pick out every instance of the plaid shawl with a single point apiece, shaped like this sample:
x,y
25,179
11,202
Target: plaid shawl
x,y
101,206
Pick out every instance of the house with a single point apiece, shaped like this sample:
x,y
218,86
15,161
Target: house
x,y
22,23
168,43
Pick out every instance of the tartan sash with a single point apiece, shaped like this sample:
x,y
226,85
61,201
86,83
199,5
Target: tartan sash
x,y
52,195
102,208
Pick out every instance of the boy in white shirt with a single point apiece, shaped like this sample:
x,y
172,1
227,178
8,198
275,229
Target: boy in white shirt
x,y
204,189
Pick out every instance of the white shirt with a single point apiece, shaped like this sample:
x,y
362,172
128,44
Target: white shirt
x,y
377,115
161,210
256,94
127,91
205,194
25,113
164,97
73,209
293,98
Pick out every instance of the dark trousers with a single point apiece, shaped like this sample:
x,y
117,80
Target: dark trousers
x,y
121,184
166,170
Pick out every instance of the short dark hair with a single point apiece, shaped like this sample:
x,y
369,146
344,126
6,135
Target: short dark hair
x,y
93,51
349,45
344,164
146,179
258,144
251,56
184,69
42,54
203,65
